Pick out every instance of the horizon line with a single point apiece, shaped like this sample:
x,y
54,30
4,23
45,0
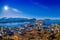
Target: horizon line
x,y
53,18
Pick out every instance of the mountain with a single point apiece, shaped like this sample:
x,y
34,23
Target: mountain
x,y
11,20
49,22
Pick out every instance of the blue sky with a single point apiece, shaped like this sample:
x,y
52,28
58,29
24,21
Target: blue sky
x,y
31,8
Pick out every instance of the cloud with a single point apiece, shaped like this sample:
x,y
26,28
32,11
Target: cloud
x,y
16,10
45,7
40,5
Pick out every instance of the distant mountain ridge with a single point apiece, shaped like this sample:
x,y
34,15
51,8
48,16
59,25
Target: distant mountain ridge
x,y
49,22
11,20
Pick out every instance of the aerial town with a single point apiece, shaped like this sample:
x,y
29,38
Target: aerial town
x,y
29,19
34,31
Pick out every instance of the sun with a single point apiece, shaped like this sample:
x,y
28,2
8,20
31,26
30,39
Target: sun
x,y
5,7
